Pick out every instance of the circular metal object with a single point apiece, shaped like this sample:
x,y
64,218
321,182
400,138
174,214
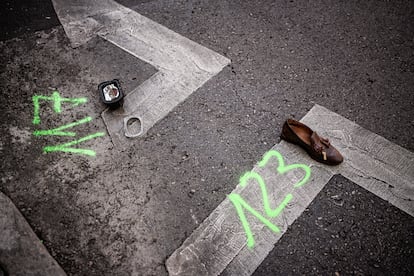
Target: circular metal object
x,y
133,126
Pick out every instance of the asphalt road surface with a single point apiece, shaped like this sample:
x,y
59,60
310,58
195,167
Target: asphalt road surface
x,y
124,212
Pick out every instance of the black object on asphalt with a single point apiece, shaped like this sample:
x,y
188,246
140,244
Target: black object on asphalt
x,y
3,272
111,93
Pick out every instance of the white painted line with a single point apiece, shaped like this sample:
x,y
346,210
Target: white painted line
x,y
21,251
183,65
371,161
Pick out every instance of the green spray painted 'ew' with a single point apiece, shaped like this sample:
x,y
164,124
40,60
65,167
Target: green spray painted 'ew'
x,y
239,203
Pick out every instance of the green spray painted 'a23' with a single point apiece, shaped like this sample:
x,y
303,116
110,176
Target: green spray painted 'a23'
x,y
239,203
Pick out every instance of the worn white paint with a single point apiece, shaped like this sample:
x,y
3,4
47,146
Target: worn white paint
x,y
376,164
21,251
183,65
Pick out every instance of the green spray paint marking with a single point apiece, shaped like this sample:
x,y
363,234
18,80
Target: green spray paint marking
x,y
239,203
58,131
57,103
282,168
67,146
61,131
269,212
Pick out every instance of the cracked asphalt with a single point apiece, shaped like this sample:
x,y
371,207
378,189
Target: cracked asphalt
x,y
125,212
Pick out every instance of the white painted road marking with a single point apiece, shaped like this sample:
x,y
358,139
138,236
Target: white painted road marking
x,y
376,164
183,65
21,251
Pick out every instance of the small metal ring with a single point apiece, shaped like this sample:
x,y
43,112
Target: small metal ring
x,y
127,123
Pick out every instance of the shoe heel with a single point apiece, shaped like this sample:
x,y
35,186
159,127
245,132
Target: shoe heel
x,y
285,134
283,137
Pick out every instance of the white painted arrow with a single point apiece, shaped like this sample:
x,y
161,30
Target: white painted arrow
x,y
183,65
376,164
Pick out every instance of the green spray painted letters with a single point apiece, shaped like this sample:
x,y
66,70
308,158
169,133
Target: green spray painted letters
x,y
57,104
67,146
239,203
58,131
62,130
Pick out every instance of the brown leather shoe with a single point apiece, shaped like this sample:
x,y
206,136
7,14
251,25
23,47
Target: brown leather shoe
x,y
317,147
